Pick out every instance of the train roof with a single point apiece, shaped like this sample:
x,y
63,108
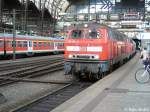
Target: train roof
x,y
95,25
2,35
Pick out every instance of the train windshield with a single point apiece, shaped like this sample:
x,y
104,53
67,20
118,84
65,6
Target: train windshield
x,y
93,34
77,34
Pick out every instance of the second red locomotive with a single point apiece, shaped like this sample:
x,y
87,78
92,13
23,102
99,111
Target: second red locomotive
x,y
93,50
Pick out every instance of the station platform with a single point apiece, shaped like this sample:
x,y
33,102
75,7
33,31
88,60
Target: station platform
x,y
117,92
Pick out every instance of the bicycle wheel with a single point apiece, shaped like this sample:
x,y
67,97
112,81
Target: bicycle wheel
x,y
142,76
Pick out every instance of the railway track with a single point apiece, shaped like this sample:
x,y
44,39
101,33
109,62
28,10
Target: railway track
x,y
29,63
26,75
50,101
31,72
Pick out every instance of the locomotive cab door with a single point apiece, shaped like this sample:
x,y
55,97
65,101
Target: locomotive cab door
x,y
30,47
55,46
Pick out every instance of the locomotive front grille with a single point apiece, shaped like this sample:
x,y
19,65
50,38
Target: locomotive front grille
x,y
83,56
74,56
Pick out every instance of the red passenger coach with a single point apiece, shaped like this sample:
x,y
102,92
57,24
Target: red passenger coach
x,y
1,46
93,49
29,45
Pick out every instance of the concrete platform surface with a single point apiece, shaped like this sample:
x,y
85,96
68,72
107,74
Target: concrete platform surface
x,y
117,92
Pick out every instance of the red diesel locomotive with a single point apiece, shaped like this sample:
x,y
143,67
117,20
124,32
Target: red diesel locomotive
x,y
92,50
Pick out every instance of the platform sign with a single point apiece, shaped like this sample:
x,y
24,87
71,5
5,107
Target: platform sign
x,y
102,17
107,4
81,17
147,5
69,18
118,0
114,17
147,17
92,17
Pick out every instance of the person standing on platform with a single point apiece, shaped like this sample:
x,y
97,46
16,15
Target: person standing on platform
x,y
145,57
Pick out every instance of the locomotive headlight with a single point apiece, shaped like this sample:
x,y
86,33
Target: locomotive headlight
x,y
96,56
70,56
85,25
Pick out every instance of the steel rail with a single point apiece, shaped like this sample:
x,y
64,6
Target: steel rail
x,y
11,66
32,72
51,100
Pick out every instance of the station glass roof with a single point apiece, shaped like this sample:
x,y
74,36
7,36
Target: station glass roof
x,y
53,6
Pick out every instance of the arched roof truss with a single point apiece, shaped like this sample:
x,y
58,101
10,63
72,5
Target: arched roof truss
x,y
53,6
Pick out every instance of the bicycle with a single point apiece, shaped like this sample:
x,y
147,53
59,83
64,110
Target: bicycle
x,y
142,75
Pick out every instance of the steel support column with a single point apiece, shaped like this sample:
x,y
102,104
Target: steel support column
x,y
14,34
42,16
26,15
55,8
1,5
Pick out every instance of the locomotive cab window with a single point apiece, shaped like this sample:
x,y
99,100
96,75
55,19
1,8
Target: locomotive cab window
x,y
94,34
77,34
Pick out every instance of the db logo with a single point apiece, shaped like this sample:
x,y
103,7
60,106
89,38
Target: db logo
x,y
83,49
